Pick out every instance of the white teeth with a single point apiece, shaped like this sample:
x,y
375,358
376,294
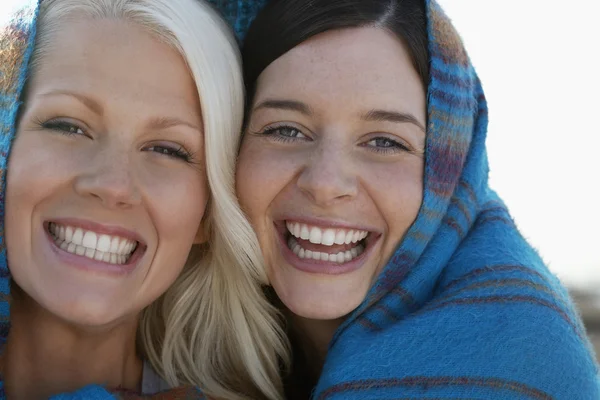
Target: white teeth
x,y
340,257
89,253
340,237
327,237
304,232
348,238
89,240
100,247
68,234
114,245
99,256
77,236
315,235
103,244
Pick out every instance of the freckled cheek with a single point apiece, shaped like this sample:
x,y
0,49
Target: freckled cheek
x,y
262,174
398,192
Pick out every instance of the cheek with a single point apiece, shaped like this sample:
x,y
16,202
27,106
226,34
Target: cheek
x,y
261,175
37,164
177,201
37,170
399,191
176,205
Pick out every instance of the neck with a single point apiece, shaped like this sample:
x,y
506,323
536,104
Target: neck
x,y
45,355
312,337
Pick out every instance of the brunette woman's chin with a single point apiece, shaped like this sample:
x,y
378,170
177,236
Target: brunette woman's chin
x,y
319,289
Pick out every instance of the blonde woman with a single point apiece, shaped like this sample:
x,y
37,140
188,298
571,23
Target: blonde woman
x,y
131,267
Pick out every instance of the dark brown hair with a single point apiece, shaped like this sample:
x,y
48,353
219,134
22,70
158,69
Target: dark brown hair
x,y
284,24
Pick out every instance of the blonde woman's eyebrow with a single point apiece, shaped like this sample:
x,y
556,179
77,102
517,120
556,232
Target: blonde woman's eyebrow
x,y
87,101
163,123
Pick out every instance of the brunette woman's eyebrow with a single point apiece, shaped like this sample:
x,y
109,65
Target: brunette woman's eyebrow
x,y
291,105
392,116
90,103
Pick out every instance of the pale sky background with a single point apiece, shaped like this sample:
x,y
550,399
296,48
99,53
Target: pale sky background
x,y
539,61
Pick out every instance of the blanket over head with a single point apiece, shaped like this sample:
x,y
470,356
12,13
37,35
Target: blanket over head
x,y
465,307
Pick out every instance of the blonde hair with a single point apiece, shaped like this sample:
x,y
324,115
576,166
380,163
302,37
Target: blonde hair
x,y
213,328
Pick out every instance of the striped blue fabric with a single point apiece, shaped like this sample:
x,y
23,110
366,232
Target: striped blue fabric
x,y
465,308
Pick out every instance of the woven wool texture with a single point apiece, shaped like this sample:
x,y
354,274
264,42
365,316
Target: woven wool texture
x,y
465,309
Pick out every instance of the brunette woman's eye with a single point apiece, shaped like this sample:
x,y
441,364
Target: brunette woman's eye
x,y
284,133
385,145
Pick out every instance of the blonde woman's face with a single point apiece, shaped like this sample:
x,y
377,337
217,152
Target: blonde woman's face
x,y
106,185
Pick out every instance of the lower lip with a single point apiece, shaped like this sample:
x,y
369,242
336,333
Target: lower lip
x,y
88,264
321,267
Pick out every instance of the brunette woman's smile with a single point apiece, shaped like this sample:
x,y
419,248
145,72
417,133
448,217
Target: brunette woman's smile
x,y
326,247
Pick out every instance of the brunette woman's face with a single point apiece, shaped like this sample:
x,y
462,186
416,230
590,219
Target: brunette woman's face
x,y
105,190
331,166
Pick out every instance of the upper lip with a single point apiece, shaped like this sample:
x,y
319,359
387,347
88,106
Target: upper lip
x,y
325,223
112,230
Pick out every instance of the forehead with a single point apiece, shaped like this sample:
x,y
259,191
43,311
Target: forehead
x,y
112,59
367,63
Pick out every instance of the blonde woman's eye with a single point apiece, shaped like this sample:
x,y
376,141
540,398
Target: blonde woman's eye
x,y
64,127
173,152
